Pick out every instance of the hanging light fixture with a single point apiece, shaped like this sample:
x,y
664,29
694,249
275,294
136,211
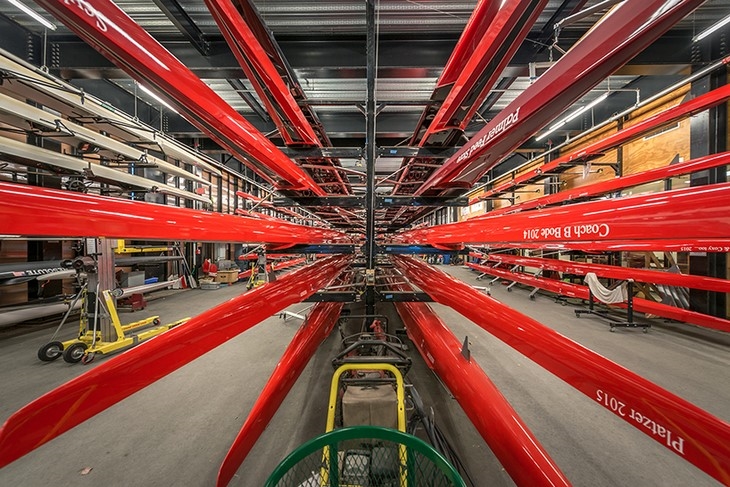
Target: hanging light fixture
x,y
45,23
711,29
572,116
157,98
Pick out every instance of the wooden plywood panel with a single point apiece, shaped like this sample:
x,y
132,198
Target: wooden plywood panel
x,y
600,134
658,149
472,211
13,251
591,173
529,191
662,145
667,101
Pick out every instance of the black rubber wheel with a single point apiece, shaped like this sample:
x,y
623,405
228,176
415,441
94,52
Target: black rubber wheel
x,y
50,351
75,352
156,322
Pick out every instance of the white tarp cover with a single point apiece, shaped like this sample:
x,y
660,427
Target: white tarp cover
x,y
602,293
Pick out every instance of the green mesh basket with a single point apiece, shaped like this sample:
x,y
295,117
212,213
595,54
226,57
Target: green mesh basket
x,y
365,456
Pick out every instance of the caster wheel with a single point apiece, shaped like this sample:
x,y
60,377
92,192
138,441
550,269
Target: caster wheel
x,y
611,329
50,351
75,352
156,322
88,358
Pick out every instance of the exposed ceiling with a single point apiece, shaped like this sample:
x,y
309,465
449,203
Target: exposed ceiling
x,y
323,43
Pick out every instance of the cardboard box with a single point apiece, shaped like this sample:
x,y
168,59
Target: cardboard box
x,y
132,279
227,276
375,405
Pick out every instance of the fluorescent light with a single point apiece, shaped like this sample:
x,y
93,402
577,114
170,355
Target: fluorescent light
x,y
33,14
157,98
586,108
572,116
711,29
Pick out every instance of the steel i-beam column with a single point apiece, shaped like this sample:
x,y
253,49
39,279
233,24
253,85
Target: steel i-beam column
x,y
708,135
370,160
105,275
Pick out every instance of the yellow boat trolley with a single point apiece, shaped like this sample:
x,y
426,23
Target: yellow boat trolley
x,y
373,404
366,455
366,443
90,340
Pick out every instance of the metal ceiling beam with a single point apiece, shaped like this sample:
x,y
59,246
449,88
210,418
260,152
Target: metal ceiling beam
x,y
320,152
599,7
178,16
250,100
335,58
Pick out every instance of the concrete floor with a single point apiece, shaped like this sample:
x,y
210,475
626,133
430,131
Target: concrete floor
x,y
176,432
